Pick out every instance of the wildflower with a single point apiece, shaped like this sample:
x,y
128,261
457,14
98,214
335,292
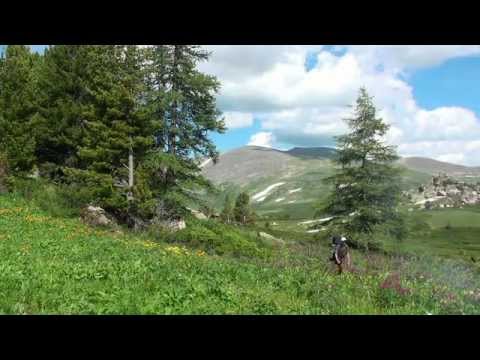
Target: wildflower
x,y
176,250
392,282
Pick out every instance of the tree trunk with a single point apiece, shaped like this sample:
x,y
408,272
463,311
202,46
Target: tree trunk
x,y
174,121
130,175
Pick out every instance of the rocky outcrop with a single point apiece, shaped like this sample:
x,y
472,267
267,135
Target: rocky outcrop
x,y
444,192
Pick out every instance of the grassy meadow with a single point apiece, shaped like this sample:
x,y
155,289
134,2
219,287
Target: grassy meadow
x,y
56,265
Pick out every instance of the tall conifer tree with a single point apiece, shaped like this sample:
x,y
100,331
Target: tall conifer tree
x,y
366,185
97,120
182,105
18,67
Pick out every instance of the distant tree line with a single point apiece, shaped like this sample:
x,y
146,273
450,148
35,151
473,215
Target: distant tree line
x,y
120,126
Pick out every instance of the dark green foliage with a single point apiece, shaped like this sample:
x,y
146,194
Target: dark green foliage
x,y
18,69
80,111
182,101
366,186
91,118
181,104
242,211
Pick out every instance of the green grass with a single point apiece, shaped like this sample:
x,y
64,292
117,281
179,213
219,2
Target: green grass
x,y
54,265
450,233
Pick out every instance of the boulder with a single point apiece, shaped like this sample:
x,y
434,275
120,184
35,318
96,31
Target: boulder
x,y
453,192
174,225
198,214
95,216
271,239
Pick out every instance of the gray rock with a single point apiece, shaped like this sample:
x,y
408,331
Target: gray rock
x,y
271,239
198,214
95,216
174,225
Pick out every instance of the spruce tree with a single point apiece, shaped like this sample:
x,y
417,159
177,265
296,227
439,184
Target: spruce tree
x,y
64,105
366,185
93,110
181,103
18,67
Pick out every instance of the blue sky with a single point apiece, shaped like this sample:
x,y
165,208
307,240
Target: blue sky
x,y
285,96
454,83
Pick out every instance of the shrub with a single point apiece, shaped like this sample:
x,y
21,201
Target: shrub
x,y
57,200
216,238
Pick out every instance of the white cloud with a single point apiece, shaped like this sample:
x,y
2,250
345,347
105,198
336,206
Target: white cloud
x,y
400,57
235,119
306,107
265,139
456,158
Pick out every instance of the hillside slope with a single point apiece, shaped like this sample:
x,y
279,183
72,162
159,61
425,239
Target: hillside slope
x,y
289,183
54,265
431,166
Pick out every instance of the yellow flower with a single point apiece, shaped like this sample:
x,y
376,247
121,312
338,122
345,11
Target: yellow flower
x,y
176,250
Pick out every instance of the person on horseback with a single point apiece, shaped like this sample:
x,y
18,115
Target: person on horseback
x,y
340,253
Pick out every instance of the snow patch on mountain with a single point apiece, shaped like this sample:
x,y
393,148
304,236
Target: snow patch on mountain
x,y
294,190
315,221
205,163
261,196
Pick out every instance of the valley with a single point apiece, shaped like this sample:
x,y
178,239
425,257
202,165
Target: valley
x,y
286,190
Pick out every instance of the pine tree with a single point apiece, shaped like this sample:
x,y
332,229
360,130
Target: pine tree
x,y
17,107
243,214
181,102
366,185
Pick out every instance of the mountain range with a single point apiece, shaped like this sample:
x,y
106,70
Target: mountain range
x,y
289,183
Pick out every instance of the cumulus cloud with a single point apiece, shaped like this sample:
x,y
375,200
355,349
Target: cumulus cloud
x,y
265,139
235,119
305,107
404,57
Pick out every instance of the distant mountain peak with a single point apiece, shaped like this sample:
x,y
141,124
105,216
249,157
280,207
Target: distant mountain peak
x,y
312,152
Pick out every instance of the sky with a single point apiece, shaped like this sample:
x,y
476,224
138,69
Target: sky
x,y
286,96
